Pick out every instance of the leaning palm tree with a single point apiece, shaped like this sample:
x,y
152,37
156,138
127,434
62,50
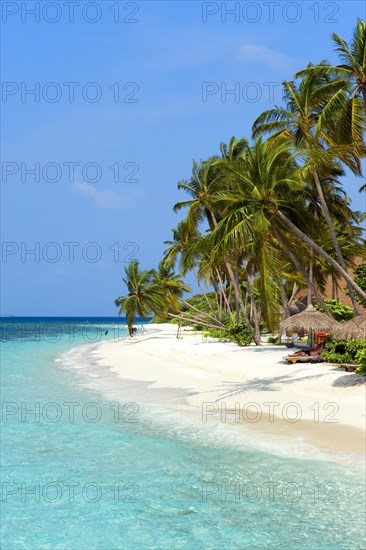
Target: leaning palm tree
x,y
184,236
298,121
206,180
145,294
343,217
351,242
245,227
172,286
265,202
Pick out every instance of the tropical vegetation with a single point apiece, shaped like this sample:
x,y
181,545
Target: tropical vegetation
x,y
268,216
360,278
346,351
339,311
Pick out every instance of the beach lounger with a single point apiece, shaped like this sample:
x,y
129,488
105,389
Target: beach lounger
x,y
349,367
303,359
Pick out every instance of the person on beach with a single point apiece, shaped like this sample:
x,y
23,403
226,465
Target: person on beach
x,y
313,352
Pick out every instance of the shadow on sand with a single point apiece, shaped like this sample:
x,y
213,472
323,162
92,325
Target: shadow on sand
x,y
353,379
259,384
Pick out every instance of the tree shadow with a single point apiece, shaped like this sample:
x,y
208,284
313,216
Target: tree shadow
x,y
353,379
230,389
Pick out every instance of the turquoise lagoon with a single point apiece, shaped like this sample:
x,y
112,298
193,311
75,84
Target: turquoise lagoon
x,y
79,471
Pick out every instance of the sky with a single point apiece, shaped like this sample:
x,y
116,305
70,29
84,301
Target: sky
x,y
105,105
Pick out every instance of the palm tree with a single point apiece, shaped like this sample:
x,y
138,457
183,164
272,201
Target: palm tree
x,y
184,236
319,250
351,242
264,200
298,121
339,208
145,295
171,285
201,188
245,226
215,274
351,72
345,110
205,181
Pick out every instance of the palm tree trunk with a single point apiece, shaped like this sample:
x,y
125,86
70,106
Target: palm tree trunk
x,y
285,303
246,297
203,292
229,297
201,312
295,288
238,297
301,270
223,292
237,308
334,236
220,302
311,262
195,321
253,307
279,215
311,271
217,300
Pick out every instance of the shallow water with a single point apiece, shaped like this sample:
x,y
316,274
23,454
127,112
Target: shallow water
x,y
85,472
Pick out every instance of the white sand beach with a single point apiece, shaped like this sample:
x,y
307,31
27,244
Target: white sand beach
x,y
222,383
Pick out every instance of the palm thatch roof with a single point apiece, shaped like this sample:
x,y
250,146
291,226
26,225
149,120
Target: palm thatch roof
x,y
296,307
308,320
354,329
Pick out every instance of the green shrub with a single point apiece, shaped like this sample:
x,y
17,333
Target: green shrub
x,y
344,351
237,332
361,359
173,321
339,311
240,333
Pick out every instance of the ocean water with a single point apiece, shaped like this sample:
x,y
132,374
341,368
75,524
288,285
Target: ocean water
x,y
82,472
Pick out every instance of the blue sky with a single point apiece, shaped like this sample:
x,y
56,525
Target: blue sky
x,y
146,94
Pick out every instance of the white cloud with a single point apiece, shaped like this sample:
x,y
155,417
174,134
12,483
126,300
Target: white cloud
x,y
105,198
257,53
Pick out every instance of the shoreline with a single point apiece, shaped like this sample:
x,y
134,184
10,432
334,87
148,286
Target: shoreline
x,y
222,386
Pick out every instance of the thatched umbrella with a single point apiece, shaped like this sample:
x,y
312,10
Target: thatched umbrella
x,y
296,307
354,329
309,320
